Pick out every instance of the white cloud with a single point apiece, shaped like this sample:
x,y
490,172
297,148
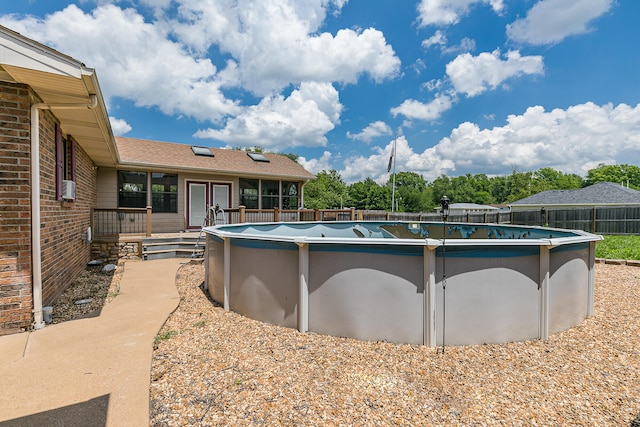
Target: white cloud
x,y
438,39
573,141
265,47
466,45
448,12
550,21
276,42
135,60
317,165
413,109
373,130
470,75
427,164
302,119
433,84
119,126
473,75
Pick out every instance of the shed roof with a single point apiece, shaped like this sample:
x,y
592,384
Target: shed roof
x,y
471,206
602,193
158,155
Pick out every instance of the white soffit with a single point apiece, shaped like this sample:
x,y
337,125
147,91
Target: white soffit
x,y
60,79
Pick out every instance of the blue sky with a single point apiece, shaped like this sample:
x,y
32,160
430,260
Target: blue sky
x,y
464,86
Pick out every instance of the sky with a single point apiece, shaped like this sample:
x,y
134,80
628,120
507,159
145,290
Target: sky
x,y
458,86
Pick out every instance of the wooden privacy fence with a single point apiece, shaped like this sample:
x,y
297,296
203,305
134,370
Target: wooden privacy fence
x,y
598,220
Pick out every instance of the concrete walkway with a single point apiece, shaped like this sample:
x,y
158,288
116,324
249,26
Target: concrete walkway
x,y
92,371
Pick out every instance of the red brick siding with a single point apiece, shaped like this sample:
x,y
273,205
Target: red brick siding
x,y
15,233
64,253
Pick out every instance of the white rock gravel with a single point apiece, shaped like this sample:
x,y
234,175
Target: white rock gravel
x,y
217,368
88,293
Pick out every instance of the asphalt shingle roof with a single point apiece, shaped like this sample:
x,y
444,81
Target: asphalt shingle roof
x,y
597,194
173,156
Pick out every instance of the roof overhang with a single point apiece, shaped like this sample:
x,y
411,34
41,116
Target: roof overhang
x,y
60,80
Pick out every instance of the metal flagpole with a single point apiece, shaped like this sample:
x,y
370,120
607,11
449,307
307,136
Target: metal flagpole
x,y
393,188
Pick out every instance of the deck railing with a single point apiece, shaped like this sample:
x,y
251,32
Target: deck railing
x,y
113,222
242,214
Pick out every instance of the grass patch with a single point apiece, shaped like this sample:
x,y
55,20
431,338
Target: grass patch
x,y
619,247
163,336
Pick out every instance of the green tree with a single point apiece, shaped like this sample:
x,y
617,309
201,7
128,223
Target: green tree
x,y
441,186
327,191
499,189
368,194
519,184
412,193
463,189
551,179
615,173
292,156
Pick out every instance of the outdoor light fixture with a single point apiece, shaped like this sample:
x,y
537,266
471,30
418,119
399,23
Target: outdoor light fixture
x,y
444,205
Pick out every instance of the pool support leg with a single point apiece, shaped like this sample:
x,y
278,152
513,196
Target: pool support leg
x,y
544,293
429,310
303,287
227,272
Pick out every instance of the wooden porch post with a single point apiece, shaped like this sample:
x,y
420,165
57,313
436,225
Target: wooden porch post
x,y
241,212
149,209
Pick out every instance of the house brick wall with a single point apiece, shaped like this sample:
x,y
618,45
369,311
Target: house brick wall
x,y
64,252
15,233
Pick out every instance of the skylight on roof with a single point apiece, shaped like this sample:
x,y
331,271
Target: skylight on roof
x,y
258,157
201,151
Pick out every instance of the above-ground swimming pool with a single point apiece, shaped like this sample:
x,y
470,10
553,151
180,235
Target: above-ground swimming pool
x,y
405,282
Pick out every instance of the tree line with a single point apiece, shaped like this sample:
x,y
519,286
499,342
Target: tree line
x,y
414,194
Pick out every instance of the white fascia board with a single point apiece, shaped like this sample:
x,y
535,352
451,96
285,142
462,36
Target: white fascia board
x,y
19,51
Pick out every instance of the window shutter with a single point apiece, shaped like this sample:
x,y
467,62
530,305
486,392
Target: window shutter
x,y
72,146
59,162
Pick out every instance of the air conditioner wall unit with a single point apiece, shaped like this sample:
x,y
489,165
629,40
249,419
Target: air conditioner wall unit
x,y
68,190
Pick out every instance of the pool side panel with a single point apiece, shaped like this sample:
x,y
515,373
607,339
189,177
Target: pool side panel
x,y
215,271
488,300
568,287
264,281
367,295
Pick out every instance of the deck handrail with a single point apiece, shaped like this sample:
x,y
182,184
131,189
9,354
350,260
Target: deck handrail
x,y
112,221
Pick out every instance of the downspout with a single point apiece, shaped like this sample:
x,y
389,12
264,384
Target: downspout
x,y
36,248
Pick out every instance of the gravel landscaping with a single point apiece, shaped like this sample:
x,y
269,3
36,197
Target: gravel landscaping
x,y
217,368
88,293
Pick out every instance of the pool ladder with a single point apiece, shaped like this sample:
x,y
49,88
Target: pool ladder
x,y
215,215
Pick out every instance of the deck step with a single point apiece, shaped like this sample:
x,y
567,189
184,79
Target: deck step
x,y
173,247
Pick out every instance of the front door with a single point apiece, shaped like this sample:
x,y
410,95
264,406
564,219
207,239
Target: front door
x,y
197,202
220,195
204,195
